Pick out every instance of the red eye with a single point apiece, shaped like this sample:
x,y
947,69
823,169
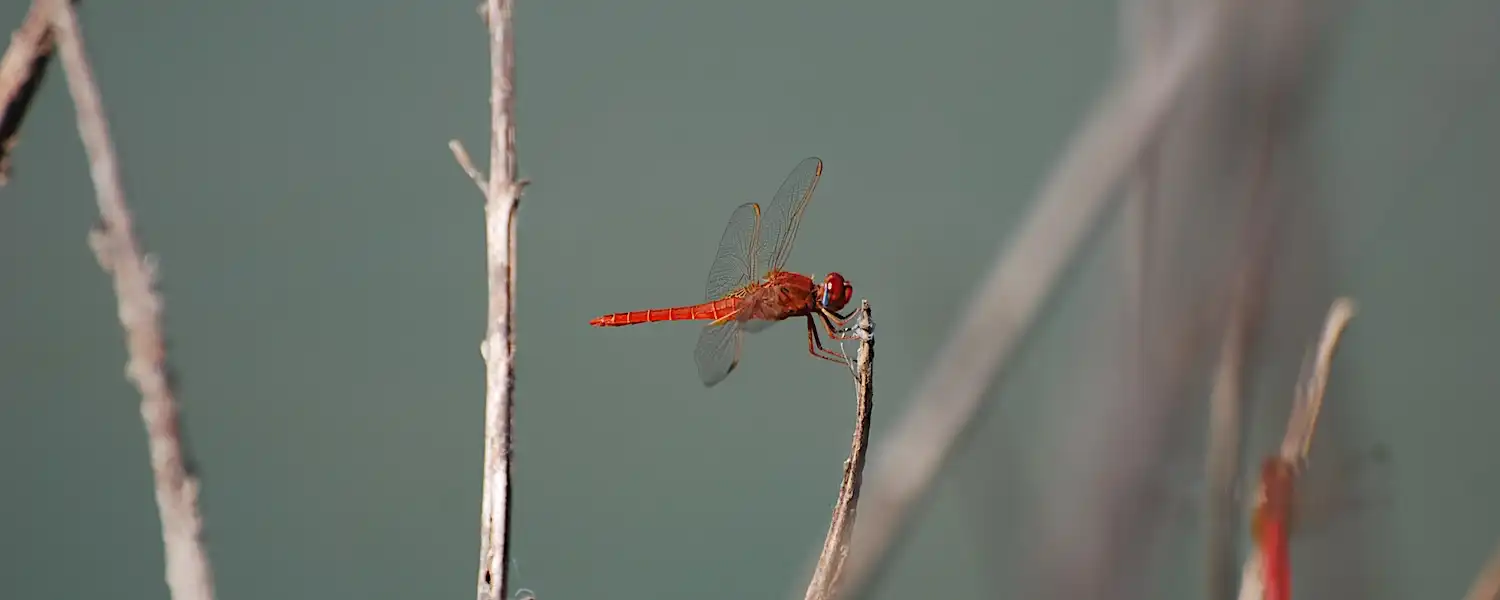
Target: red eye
x,y
836,291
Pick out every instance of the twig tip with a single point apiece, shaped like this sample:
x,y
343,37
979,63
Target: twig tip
x,y
464,162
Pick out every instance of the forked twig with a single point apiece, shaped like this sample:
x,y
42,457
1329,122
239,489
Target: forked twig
x,y
189,576
502,194
21,71
1023,276
828,574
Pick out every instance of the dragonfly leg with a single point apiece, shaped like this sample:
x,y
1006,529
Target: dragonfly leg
x,y
815,345
837,325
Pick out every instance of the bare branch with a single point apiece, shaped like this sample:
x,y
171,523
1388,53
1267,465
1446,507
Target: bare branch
x,y
828,575
462,156
1309,402
502,197
1001,310
189,576
21,72
1248,296
1224,445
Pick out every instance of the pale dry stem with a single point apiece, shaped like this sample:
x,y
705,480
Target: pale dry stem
x,y
1226,402
1309,400
502,194
188,574
1224,442
827,577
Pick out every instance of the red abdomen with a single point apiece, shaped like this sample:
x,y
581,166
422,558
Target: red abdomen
x,y
1275,555
707,311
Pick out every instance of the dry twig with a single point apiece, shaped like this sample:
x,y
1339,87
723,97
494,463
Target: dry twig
x,y
21,72
189,576
1303,421
1223,457
1003,307
1226,402
502,197
828,575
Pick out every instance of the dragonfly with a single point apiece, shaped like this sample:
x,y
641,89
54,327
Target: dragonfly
x,y
1286,503
749,289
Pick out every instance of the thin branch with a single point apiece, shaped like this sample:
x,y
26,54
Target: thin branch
x,y
1226,401
21,72
1487,585
829,573
1303,421
1224,445
502,198
189,576
467,164
1022,278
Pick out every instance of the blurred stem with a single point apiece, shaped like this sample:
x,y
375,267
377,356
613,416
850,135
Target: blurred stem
x,y
1224,448
1226,402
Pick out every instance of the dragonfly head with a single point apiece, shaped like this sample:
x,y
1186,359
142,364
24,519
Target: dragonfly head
x,y
835,292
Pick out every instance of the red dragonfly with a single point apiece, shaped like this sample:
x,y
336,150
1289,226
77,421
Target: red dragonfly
x,y
1271,525
749,291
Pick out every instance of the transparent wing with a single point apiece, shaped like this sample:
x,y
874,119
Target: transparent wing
x,y
718,351
732,267
779,221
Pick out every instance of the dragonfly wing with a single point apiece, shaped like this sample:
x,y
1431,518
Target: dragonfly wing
x,y
718,351
733,266
779,221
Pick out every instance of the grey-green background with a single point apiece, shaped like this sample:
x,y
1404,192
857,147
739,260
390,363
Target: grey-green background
x,y
323,270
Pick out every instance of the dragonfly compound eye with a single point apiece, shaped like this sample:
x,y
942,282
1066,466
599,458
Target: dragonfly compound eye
x,y
836,291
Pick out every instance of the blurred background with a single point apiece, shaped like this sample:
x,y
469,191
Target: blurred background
x,y
322,264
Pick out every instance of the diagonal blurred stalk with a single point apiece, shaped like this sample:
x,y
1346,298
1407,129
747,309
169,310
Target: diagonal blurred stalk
x,y
1201,222
1067,208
